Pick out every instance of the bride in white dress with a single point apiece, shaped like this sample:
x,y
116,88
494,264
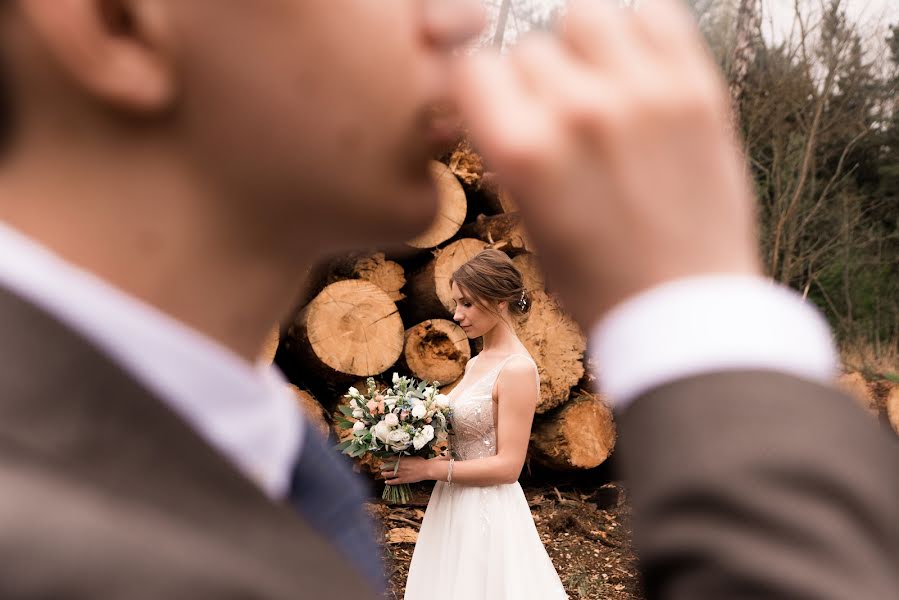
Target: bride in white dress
x,y
478,540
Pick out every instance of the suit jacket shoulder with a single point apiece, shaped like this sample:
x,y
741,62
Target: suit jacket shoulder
x,y
107,493
756,484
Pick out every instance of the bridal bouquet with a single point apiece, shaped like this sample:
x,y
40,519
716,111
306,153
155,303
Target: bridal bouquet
x,y
409,418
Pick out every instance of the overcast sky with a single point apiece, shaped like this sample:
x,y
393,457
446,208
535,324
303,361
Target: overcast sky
x,y
870,15
873,16
859,10
782,10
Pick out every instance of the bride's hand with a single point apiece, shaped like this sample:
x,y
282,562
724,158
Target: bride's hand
x,y
412,469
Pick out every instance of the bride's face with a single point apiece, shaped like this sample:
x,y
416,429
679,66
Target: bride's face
x,y
474,318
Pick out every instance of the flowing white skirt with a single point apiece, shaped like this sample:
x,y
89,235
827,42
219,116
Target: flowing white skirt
x,y
480,543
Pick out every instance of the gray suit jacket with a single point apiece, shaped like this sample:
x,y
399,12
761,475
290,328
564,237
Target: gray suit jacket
x,y
759,485
104,493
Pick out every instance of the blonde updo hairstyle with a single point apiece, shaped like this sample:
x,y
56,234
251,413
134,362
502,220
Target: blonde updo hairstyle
x,y
491,277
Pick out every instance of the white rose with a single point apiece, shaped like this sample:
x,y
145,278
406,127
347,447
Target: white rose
x,y
358,426
398,440
392,420
354,392
419,410
381,431
358,413
423,437
442,401
396,378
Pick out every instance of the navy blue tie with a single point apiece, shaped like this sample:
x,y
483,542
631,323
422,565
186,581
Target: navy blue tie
x,y
330,497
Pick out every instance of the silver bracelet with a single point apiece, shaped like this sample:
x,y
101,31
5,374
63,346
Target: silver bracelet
x,y
449,473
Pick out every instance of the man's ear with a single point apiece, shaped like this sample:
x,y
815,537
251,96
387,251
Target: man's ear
x,y
116,50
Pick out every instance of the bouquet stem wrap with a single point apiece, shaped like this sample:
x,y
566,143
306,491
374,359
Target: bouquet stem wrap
x,y
397,494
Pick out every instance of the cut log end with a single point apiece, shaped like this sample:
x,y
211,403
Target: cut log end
x,y
451,211
581,435
386,274
352,328
430,286
436,350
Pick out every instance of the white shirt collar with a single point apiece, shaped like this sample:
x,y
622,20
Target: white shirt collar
x,y
245,411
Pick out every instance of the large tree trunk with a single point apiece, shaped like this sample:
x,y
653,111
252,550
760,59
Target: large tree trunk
x,y
436,350
451,212
504,232
557,345
580,435
501,22
351,329
749,19
430,291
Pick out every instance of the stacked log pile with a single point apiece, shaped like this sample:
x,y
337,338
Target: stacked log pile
x,y
374,313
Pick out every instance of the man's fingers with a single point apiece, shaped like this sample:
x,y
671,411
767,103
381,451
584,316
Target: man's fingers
x,y
601,34
579,96
505,119
670,31
493,100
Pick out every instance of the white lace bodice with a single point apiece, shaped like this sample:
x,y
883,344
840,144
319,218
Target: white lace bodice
x,y
472,417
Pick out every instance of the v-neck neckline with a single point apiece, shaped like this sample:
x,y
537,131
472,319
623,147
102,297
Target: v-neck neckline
x,y
460,389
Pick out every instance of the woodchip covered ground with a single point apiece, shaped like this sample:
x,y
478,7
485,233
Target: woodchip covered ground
x,y
585,530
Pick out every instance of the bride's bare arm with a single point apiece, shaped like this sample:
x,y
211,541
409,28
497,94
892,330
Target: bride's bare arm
x,y
516,394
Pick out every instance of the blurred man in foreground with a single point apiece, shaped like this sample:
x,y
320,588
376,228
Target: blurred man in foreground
x,y
171,167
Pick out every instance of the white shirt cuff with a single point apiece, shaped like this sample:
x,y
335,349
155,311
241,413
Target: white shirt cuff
x,y
709,324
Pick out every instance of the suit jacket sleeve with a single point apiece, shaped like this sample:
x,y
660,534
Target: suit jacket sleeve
x,y
758,484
